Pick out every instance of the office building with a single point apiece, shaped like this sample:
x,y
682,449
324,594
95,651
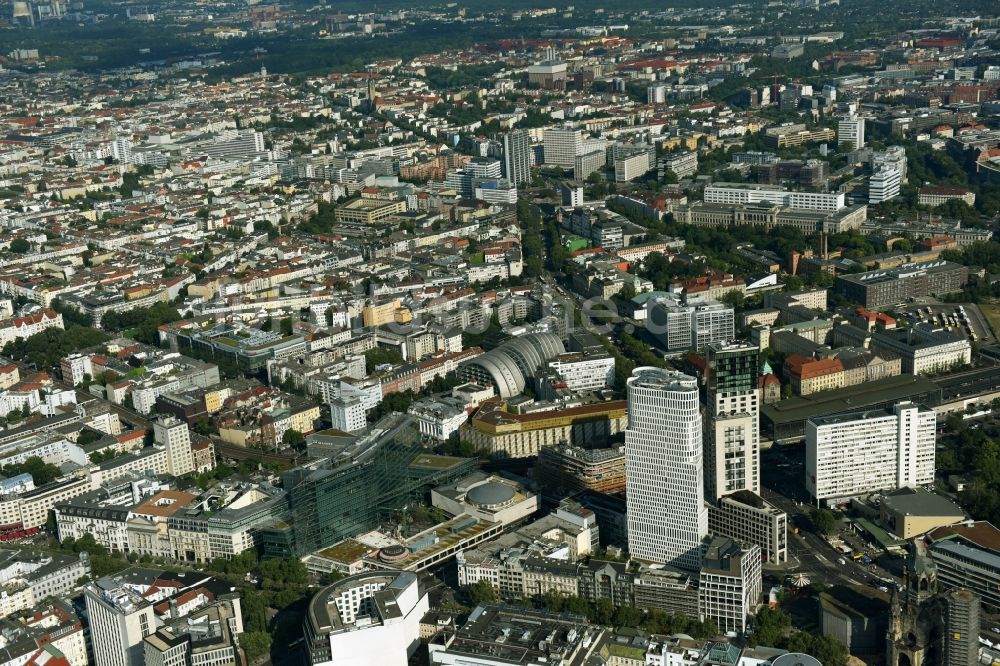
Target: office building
x,y
883,185
729,584
936,195
120,618
562,146
207,637
851,132
922,349
588,163
742,194
683,327
664,479
967,555
348,414
855,454
517,156
883,288
732,423
746,517
172,433
893,157
548,75
503,433
518,636
786,136
573,468
704,214
630,167
369,618
332,499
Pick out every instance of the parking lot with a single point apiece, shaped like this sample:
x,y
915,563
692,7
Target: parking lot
x,y
965,318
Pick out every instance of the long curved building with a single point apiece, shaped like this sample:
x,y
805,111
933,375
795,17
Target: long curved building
x,y
508,367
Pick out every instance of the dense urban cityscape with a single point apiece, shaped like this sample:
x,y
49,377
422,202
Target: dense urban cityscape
x,y
497,334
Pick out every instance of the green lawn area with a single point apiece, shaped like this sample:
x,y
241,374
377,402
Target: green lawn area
x,y
992,314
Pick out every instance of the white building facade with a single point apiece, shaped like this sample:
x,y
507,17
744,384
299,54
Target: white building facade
x,y
667,517
856,454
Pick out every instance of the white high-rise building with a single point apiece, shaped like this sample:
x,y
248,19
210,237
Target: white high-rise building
x,y
173,434
851,131
878,450
657,93
883,185
119,619
517,156
562,146
732,424
667,516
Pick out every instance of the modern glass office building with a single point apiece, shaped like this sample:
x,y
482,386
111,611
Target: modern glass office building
x,y
348,493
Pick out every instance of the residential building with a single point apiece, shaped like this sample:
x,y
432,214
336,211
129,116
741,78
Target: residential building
x,y
562,146
730,584
667,517
681,164
517,156
855,454
75,368
28,577
28,325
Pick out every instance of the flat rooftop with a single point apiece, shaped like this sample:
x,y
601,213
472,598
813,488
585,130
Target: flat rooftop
x,y
850,399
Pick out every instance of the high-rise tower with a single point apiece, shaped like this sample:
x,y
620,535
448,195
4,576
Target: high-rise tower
x,y
667,516
732,423
517,156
